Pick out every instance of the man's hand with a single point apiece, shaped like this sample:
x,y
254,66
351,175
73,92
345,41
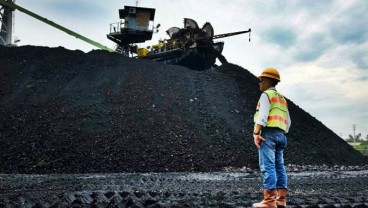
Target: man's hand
x,y
258,139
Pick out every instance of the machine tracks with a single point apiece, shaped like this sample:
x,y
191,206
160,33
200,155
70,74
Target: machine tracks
x,y
321,189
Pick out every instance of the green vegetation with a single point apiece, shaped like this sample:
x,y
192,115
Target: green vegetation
x,y
355,138
361,146
363,143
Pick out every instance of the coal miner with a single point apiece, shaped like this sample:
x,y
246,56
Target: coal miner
x,y
272,121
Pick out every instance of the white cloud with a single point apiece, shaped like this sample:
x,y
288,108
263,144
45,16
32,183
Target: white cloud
x,y
332,95
327,82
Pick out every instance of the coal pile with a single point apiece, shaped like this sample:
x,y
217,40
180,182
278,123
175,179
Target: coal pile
x,y
65,111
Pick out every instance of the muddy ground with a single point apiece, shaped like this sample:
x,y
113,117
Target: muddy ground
x,y
329,188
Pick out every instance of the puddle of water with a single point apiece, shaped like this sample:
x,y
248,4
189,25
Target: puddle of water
x,y
214,176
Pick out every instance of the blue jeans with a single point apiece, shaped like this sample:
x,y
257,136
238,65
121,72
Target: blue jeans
x,y
271,159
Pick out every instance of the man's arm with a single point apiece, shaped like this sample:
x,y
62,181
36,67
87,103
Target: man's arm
x,y
288,121
257,135
264,109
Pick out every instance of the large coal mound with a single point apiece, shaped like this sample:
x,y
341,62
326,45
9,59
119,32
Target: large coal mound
x,y
65,111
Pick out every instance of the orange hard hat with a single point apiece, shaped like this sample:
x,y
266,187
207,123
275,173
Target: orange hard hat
x,y
270,73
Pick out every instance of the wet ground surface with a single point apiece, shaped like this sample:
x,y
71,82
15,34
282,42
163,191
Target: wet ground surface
x,y
217,189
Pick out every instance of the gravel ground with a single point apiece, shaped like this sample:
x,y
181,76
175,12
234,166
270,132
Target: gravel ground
x,y
218,189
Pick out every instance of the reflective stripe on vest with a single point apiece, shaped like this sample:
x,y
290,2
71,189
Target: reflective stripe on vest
x,y
277,116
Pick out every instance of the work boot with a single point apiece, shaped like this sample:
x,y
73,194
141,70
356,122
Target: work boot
x,y
269,200
281,198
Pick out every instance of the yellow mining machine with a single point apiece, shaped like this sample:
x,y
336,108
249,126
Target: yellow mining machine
x,y
189,46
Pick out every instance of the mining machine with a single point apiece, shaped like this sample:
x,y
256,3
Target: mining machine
x,y
189,46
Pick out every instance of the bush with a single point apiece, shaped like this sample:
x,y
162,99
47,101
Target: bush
x,y
361,147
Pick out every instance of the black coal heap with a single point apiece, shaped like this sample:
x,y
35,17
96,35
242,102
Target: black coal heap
x,y
65,111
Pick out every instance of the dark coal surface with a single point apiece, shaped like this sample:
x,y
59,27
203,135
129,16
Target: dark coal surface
x,y
65,111
216,189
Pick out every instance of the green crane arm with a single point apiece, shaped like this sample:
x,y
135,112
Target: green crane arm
x,y
14,6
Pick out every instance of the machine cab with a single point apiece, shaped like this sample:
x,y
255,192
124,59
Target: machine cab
x,y
135,26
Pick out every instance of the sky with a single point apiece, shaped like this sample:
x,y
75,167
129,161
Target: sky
x,y
320,47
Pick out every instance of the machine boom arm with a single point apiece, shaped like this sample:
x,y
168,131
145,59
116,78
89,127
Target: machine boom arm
x,y
231,34
94,43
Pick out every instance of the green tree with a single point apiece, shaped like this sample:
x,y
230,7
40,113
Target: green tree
x,y
350,140
355,139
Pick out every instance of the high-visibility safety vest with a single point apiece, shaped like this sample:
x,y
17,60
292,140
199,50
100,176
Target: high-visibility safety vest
x,y
277,116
